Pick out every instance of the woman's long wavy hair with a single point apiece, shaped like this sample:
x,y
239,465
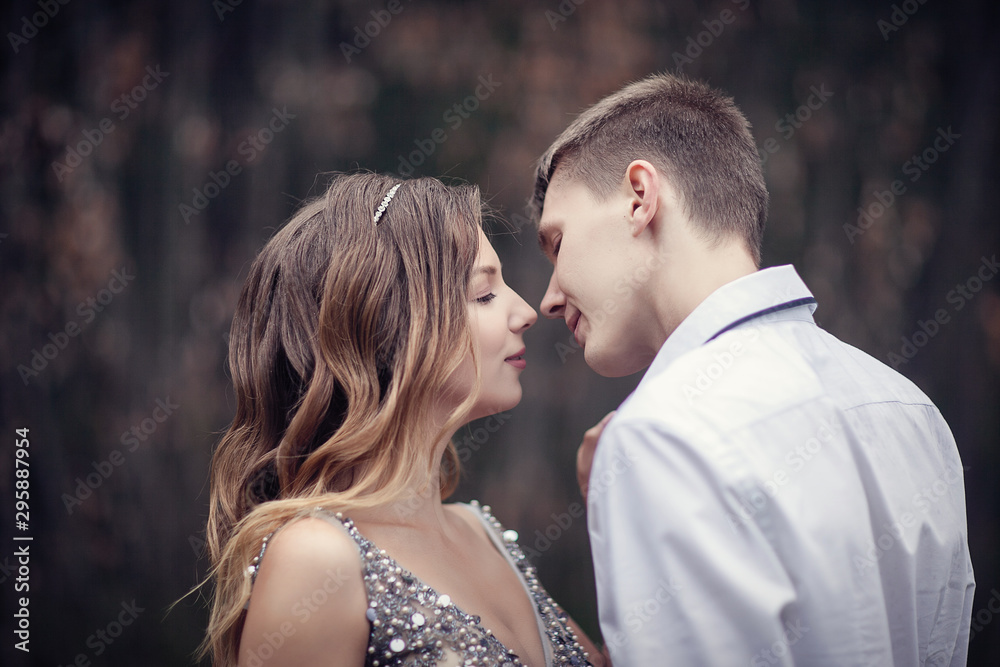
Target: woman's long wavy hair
x,y
344,337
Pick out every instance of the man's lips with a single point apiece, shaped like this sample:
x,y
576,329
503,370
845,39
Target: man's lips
x,y
517,360
572,323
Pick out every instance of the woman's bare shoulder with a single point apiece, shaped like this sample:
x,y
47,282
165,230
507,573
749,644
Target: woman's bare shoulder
x,y
467,513
308,602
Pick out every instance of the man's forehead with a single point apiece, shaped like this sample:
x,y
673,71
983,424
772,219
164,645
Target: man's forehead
x,y
554,208
562,178
562,191
564,195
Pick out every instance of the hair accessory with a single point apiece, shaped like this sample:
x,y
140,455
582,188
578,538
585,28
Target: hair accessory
x,y
385,202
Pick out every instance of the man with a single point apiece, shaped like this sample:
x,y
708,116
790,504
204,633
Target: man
x,y
768,495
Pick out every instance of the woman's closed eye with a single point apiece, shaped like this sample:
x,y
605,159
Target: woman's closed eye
x,y
486,298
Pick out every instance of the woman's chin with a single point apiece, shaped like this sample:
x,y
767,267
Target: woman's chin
x,y
496,405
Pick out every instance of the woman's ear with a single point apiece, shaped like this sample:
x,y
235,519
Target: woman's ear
x,y
642,190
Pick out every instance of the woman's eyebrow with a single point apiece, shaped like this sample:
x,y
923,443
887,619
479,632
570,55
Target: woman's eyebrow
x,y
489,270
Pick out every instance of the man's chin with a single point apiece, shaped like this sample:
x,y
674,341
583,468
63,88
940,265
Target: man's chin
x,y
609,365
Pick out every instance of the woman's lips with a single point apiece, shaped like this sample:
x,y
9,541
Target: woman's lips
x,y
517,360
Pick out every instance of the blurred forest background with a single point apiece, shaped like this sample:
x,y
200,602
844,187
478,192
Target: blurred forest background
x,y
148,149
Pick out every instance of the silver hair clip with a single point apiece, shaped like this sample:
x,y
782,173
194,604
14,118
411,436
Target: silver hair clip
x,y
385,202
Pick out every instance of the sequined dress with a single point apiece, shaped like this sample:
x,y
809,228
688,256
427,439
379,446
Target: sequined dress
x,y
414,625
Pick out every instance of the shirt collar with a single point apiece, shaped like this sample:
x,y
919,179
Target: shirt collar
x,y
777,293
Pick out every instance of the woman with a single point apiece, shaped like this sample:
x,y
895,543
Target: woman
x,y
371,327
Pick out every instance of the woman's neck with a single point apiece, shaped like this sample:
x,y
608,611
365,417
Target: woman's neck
x,y
419,506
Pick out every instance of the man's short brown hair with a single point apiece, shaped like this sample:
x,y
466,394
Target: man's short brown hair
x,y
694,134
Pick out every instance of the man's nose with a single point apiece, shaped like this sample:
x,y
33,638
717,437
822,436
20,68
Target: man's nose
x,y
553,304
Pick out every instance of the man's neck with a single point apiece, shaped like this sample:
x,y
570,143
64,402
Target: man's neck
x,y
688,278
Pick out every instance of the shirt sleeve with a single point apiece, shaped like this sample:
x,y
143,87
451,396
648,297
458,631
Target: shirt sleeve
x,y
680,579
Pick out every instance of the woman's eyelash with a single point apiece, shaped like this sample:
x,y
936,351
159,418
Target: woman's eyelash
x,y
486,299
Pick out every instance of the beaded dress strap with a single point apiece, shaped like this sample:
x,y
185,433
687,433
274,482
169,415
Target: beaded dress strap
x,y
409,618
412,624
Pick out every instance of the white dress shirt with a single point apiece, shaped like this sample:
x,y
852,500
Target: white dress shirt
x,y
770,495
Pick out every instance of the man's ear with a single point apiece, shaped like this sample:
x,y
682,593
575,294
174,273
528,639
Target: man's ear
x,y
642,190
